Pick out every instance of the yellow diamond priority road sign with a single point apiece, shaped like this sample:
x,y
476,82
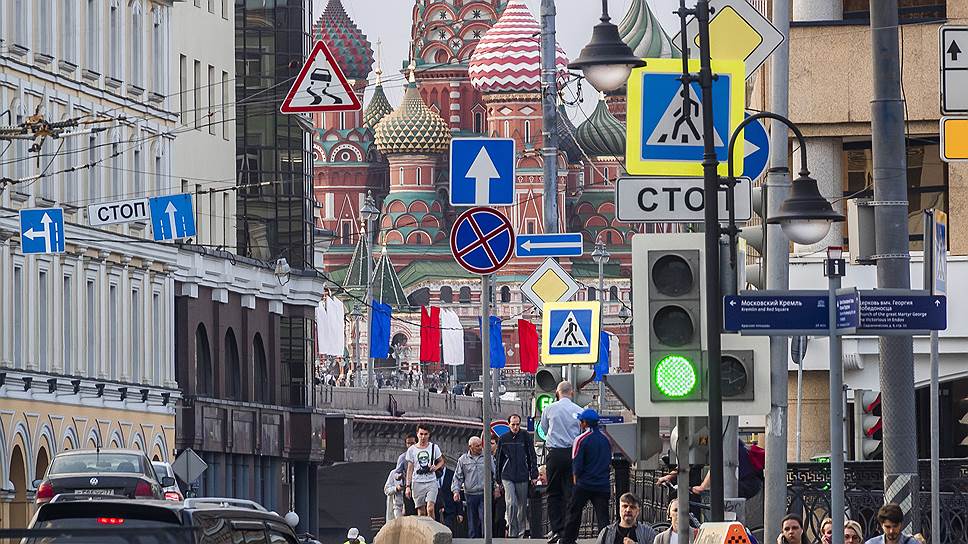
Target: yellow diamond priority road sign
x,y
549,283
737,31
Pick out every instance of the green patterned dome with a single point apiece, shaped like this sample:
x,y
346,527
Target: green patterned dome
x,y
602,135
412,128
378,107
643,33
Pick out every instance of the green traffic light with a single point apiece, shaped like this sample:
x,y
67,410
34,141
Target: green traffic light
x,y
675,376
541,402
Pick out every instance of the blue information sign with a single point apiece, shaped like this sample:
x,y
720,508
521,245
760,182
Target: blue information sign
x,y
482,240
773,313
549,245
605,420
885,311
172,217
481,171
848,309
42,230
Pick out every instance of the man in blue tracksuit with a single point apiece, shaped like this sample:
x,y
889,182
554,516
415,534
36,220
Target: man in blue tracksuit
x,y
591,462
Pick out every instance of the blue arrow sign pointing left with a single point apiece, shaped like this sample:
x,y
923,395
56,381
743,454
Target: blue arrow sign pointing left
x,y
549,245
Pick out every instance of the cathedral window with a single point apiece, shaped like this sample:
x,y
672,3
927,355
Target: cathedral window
x,y
446,294
465,295
527,132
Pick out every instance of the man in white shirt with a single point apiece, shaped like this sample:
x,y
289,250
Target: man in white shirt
x,y
424,459
560,422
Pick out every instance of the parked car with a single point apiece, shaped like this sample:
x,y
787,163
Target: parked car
x,y
102,519
162,470
126,473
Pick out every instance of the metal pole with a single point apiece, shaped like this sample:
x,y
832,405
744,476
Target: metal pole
x,y
359,349
486,404
369,302
549,111
714,299
777,257
930,266
834,272
603,255
495,372
682,479
729,281
901,482
799,408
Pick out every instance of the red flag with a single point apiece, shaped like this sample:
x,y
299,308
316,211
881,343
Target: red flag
x,y
430,334
528,346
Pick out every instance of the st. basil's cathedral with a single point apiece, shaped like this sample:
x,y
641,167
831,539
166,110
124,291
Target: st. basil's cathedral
x,y
474,70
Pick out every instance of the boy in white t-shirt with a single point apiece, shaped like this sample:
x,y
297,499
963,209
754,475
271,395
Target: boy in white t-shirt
x,y
424,459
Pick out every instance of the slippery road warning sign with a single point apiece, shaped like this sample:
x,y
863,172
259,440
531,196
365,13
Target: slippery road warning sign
x,y
320,86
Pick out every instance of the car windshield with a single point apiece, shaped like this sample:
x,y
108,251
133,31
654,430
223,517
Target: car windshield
x,y
160,471
96,463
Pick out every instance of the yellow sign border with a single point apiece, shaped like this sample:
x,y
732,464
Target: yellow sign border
x,y
736,69
592,357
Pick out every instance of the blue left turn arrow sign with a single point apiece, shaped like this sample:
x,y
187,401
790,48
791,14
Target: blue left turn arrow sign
x,y
549,245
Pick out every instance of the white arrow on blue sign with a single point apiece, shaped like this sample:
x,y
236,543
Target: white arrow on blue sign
x,y
482,171
549,245
757,149
42,230
172,217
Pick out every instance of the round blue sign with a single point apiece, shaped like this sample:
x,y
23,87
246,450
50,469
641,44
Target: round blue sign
x,y
482,240
757,149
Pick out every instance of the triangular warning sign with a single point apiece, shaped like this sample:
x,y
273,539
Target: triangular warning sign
x,y
570,334
676,128
320,86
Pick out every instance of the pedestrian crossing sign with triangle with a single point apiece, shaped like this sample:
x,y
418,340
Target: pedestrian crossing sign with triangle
x,y
665,118
570,333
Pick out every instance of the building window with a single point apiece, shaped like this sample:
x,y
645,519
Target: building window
x,y
225,105
204,379
613,293
136,351
183,88
505,294
20,22
527,132
400,172
261,371
114,55
507,129
909,11
927,180
465,295
113,340
419,176
592,294
446,294
117,180
18,316
138,170
42,28
478,122
342,120
211,6
157,52
93,33
92,337
158,327
159,175
93,177
210,117
67,311
346,232
43,334
197,87
530,225
233,368
137,46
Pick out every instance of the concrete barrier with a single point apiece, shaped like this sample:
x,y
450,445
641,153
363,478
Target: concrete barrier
x,y
413,530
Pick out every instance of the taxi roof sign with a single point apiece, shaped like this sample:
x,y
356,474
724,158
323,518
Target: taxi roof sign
x,y
723,532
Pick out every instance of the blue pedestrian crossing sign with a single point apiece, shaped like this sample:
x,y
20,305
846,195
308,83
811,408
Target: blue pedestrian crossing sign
x,y
570,332
482,171
482,240
172,217
665,118
42,230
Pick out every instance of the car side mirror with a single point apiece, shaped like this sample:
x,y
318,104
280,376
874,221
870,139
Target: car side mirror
x,y
167,481
36,483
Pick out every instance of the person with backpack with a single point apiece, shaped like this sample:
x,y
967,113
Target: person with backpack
x,y
424,459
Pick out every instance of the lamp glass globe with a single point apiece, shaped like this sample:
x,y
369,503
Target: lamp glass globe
x,y
608,77
806,231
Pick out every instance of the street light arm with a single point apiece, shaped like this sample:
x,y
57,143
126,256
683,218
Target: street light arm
x,y
777,117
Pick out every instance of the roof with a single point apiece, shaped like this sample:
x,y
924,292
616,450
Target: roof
x,y
345,40
419,271
412,127
602,135
643,33
378,107
354,275
508,57
386,284
589,269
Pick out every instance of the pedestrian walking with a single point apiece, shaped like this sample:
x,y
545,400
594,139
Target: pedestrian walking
x,y
560,422
791,530
450,511
671,535
517,469
424,459
591,465
499,525
408,507
853,533
393,489
469,480
890,517
628,529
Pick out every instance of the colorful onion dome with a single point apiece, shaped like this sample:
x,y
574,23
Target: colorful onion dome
x,y
602,135
508,59
412,127
345,40
643,33
378,107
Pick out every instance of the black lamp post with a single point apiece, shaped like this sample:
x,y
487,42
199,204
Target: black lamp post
x,y
606,61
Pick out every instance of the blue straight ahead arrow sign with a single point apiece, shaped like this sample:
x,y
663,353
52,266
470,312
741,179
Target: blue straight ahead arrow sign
x,y
549,245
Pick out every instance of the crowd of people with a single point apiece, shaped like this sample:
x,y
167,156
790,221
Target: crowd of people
x,y
890,519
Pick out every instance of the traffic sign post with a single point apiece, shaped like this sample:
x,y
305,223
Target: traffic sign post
x,y
482,171
549,245
954,69
121,211
936,282
189,466
736,31
665,118
172,217
42,230
570,332
675,200
482,240
320,86
549,283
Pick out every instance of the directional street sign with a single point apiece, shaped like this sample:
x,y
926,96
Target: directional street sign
x,y
42,230
787,313
482,171
901,311
549,283
954,138
665,121
675,200
736,31
320,86
757,149
121,211
189,466
482,240
570,332
172,217
549,245
954,69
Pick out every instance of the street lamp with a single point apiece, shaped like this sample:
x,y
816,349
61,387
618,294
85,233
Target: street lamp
x,y
368,213
600,256
606,61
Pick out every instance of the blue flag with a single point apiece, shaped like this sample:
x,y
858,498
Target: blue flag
x,y
498,357
604,355
380,331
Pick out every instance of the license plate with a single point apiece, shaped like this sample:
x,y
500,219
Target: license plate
x,y
95,491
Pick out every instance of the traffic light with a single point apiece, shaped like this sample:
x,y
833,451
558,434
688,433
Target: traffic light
x,y
755,237
668,324
585,389
546,380
867,425
744,374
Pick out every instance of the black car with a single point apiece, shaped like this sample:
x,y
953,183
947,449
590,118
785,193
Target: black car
x,y
125,473
91,519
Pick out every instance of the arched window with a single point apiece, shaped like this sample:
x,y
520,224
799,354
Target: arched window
x,y
42,27
204,379
446,294
419,176
505,294
613,293
261,371
92,34
527,132
507,129
478,122
20,22
114,27
137,46
157,51
233,369
465,295
400,175
592,293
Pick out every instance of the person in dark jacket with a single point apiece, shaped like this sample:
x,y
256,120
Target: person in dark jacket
x,y
628,529
591,463
517,469
498,524
449,511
